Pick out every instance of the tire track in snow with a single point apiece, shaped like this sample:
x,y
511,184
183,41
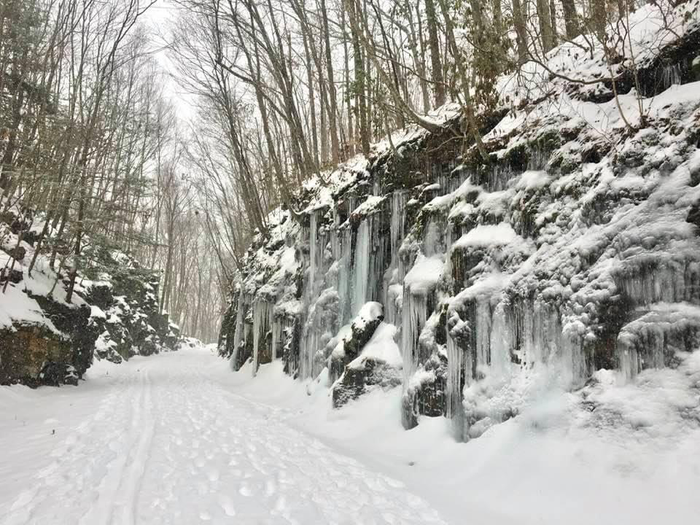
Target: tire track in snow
x,y
117,492
143,428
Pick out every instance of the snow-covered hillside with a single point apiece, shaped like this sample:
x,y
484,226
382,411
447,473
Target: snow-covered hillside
x,y
563,258
44,339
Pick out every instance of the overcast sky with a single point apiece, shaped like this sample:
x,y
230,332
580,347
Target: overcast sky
x,y
159,19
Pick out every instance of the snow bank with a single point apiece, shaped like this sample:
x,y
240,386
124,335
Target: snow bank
x,y
610,444
514,278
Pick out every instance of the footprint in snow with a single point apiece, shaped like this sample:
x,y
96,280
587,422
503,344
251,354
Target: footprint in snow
x,y
227,506
213,474
280,504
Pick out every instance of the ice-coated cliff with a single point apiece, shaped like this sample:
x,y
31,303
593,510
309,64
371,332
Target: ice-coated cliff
x,y
469,282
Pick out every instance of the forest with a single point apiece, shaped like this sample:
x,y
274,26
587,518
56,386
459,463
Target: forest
x,y
349,261
93,141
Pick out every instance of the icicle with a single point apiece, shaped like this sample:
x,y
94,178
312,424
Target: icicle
x,y
500,344
380,259
314,285
483,330
313,249
657,336
392,283
256,333
276,329
238,334
670,75
413,318
336,250
345,276
362,265
650,281
262,324
455,372
398,207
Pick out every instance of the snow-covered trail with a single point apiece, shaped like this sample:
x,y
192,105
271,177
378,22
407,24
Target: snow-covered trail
x,y
158,440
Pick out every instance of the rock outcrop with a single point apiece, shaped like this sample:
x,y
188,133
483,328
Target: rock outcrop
x,y
568,245
33,355
44,340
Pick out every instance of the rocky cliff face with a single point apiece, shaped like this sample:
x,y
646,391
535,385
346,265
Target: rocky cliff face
x,y
572,247
46,341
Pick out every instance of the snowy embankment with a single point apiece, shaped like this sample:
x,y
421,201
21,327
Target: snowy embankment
x,y
568,246
611,453
49,336
543,300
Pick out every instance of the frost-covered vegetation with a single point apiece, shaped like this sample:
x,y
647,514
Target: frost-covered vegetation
x,y
566,244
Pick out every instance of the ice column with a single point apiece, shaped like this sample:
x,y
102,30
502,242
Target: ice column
x,y
261,327
238,334
361,267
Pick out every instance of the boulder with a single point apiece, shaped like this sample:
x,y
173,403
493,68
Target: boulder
x,y
361,376
372,356
426,392
362,330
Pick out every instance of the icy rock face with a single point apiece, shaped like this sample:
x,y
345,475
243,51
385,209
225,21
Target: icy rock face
x,y
77,324
425,393
564,254
228,329
126,315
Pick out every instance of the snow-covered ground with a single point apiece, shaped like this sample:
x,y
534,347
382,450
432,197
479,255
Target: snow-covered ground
x,y
167,440
177,438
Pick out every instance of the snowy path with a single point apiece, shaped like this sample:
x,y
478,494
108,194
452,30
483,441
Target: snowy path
x,y
159,441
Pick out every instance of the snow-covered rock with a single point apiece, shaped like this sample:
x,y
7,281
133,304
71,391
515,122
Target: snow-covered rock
x,y
574,248
46,340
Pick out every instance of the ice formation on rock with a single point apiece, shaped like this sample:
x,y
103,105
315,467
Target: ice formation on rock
x,y
562,256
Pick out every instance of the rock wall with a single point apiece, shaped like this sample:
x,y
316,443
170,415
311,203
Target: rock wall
x,y
571,246
45,340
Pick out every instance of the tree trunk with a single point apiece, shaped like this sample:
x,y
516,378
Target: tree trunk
x,y
330,77
520,32
599,18
546,30
359,87
435,60
570,18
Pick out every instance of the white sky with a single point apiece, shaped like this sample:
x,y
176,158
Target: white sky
x,y
158,19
